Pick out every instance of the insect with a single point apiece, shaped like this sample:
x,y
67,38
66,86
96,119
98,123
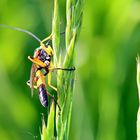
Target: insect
x,y
42,59
41,87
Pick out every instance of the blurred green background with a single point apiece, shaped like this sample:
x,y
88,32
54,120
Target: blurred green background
x,y
105,100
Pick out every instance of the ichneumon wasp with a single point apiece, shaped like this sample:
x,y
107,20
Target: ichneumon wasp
x,y
42,60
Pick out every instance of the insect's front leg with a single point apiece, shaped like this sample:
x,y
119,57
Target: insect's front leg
x,y
48,49
37,61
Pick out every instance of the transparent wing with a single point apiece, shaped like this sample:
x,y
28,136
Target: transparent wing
x,y
32,75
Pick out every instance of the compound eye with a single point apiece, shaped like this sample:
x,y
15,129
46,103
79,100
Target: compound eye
x,y
42,51
45,54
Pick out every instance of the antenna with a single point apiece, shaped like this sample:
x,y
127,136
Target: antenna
x,y
21,30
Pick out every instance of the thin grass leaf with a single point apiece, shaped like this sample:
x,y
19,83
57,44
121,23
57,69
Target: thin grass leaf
x,y
69,21
70,51
138,84
50,124
65,79
44,130
68,122
56,33
68,105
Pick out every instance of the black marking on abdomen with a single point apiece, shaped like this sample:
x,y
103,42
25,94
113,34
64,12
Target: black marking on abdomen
x,y
43,95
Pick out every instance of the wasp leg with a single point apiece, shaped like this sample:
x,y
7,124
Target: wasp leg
x,y
52,68
37,61
48,50
49,82
54,101
65,69
28,83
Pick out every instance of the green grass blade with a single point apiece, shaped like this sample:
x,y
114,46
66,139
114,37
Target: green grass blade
x,y
44,131
50,124
138,84
56,32
70,51
65,79
69,21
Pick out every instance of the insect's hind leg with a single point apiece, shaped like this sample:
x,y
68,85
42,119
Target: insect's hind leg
x,y
54,101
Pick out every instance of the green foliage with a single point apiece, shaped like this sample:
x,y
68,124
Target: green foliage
x,y
65,80
138,84
50,124
56,32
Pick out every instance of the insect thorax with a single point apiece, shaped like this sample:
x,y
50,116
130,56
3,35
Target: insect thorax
x,y
43,56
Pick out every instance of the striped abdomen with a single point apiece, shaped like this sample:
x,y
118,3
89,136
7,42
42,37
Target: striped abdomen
x,y
43,95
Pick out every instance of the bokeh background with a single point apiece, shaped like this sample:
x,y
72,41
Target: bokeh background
x,y
105,99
